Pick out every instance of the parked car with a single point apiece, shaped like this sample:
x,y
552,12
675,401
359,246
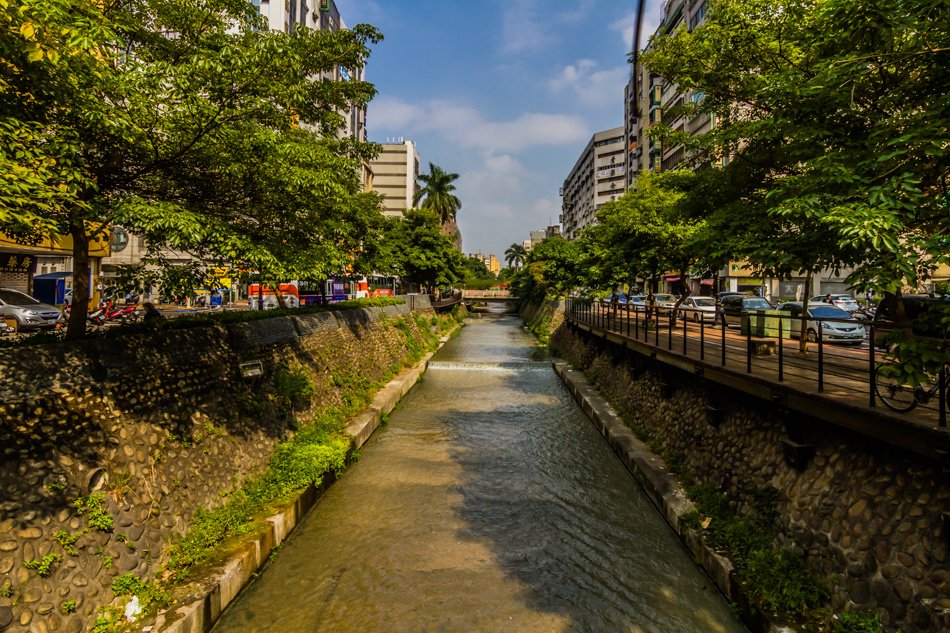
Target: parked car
x,y
926,314
831,331
699,308
843,301
26,312
664,303
732,307
621,298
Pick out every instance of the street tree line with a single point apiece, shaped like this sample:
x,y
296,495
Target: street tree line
x,y
195,126
830,150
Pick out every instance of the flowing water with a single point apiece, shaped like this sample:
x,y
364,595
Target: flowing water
x,y
488,503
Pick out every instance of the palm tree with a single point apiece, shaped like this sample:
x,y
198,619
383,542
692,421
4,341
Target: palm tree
x,y
515,255
438,194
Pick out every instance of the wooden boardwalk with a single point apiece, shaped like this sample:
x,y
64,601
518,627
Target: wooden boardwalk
x,y
833,385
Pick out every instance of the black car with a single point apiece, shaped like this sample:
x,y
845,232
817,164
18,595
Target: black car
x,y
927,315
733,306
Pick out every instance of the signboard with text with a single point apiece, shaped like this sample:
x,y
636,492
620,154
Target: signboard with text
x,y
16,263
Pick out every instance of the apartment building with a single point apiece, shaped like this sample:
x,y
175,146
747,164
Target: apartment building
x,y
396,176
491,262
598,177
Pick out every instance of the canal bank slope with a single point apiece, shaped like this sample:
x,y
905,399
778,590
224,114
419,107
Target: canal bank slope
x,y
868,520
110,446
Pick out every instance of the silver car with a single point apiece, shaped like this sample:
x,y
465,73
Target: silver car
x,y
26,312
852,331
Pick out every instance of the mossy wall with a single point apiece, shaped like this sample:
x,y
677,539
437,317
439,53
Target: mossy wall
x,y
159,424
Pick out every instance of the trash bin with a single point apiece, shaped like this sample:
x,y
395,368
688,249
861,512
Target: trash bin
x,y
765,324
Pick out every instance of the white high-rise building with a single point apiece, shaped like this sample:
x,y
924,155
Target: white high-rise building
x,y
597,178
396,176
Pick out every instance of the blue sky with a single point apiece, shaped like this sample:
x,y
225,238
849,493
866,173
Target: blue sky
x,y
506,93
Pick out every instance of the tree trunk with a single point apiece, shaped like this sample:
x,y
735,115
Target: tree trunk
x,y
281,302
79,310
803,331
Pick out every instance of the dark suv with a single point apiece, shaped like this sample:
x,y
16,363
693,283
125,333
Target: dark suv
x,y
926,314
732,307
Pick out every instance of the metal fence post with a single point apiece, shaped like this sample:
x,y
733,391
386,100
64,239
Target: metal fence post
x,y
702,337
942,390
821,360
723,340
872,373
684,333
781,347
748,343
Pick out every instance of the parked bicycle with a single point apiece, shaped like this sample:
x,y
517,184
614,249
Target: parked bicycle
x,y
900,396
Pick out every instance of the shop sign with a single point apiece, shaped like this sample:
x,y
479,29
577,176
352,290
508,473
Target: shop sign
x,y
16,263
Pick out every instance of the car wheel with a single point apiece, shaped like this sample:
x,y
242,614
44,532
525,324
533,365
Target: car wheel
x,y
812,336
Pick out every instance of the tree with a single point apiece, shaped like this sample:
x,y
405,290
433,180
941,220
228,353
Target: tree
x,y
475,269
152,128
515,255
839,110
643,234
437,194
550,270
419,252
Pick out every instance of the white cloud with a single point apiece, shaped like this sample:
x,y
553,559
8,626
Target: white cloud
x,y
530,24
625,26
501,175
521,27
467,127
592,86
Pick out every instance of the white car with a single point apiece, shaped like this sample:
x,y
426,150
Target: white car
x,y
850,331
699,308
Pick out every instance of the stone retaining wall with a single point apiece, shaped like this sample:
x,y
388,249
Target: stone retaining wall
x,y
866,516
160,424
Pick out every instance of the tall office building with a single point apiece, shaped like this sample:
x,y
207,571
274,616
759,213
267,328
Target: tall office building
x,y
396,176
321,15
658,100
597,178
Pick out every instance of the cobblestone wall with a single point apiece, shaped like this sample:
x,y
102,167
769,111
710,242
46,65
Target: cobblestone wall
x,y
159,424
866,516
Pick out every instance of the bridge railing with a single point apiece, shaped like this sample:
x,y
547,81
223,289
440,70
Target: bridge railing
x,y
765,345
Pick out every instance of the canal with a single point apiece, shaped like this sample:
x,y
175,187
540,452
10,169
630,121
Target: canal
x,y
487,503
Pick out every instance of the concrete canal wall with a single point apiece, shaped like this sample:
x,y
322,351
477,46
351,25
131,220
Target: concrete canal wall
x,y
868,518
154,426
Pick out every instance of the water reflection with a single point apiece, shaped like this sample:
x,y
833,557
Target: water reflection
x,y
488,503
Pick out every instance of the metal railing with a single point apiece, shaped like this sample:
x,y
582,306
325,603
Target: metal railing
x,y
767,345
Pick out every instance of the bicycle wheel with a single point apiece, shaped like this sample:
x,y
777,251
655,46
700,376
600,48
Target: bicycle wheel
x,y
894,393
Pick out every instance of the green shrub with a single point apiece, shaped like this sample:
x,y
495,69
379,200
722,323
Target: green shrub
x,y
293,388
857,622
776,579
45,566
68,606
94,509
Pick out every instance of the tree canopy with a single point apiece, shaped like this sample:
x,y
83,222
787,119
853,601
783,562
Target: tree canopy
x,y
190,123
419,252
833,116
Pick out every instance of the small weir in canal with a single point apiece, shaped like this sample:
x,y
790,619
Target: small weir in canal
x,y
488,503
